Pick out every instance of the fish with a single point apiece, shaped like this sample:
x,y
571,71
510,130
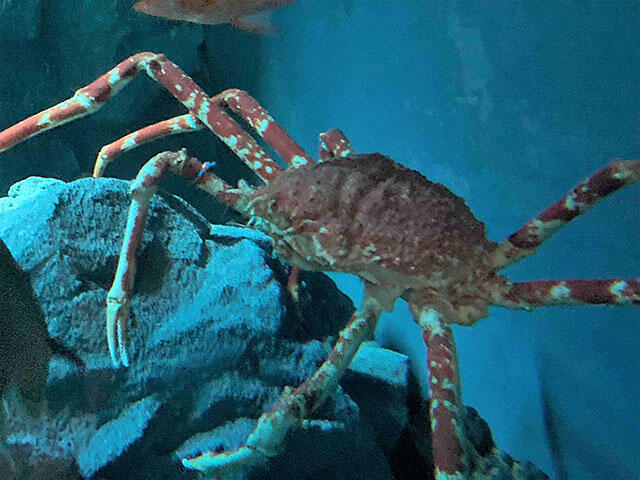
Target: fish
x,y
212,12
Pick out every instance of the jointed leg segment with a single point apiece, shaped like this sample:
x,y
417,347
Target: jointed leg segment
x,y
334,143
542,293
172,126
296,404
142,189
448,438
522,243
208,110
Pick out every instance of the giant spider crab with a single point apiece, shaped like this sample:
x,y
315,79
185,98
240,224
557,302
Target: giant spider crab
x,y
403,235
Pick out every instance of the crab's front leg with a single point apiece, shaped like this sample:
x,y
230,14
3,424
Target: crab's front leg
x,y
295,404
204,111
142,189
172,126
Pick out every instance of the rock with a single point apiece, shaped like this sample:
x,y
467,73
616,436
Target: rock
x,y
24,341
213,341
115,436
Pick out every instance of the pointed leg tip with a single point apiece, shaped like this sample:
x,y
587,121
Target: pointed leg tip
x,y
124,356
114,360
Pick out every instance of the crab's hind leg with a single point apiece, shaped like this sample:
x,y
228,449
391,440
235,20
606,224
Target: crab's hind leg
x,y
522,243
542,293
143,188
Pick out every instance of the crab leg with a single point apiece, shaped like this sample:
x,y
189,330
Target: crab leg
x,y
448,438
208,110
271,131
239,102
85,101
142,189
522,243
295,404
541,293
180,124
334,143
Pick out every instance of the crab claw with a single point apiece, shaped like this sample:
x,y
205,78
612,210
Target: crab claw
x,y
119,296
117,326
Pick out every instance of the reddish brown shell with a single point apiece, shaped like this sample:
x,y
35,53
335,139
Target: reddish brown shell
x,y
368,215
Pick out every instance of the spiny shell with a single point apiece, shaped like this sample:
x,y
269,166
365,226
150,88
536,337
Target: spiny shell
x,y
364,213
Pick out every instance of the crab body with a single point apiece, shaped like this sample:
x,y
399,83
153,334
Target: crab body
x,y
368,215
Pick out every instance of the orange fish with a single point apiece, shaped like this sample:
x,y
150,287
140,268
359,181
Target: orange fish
x,y
211,12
